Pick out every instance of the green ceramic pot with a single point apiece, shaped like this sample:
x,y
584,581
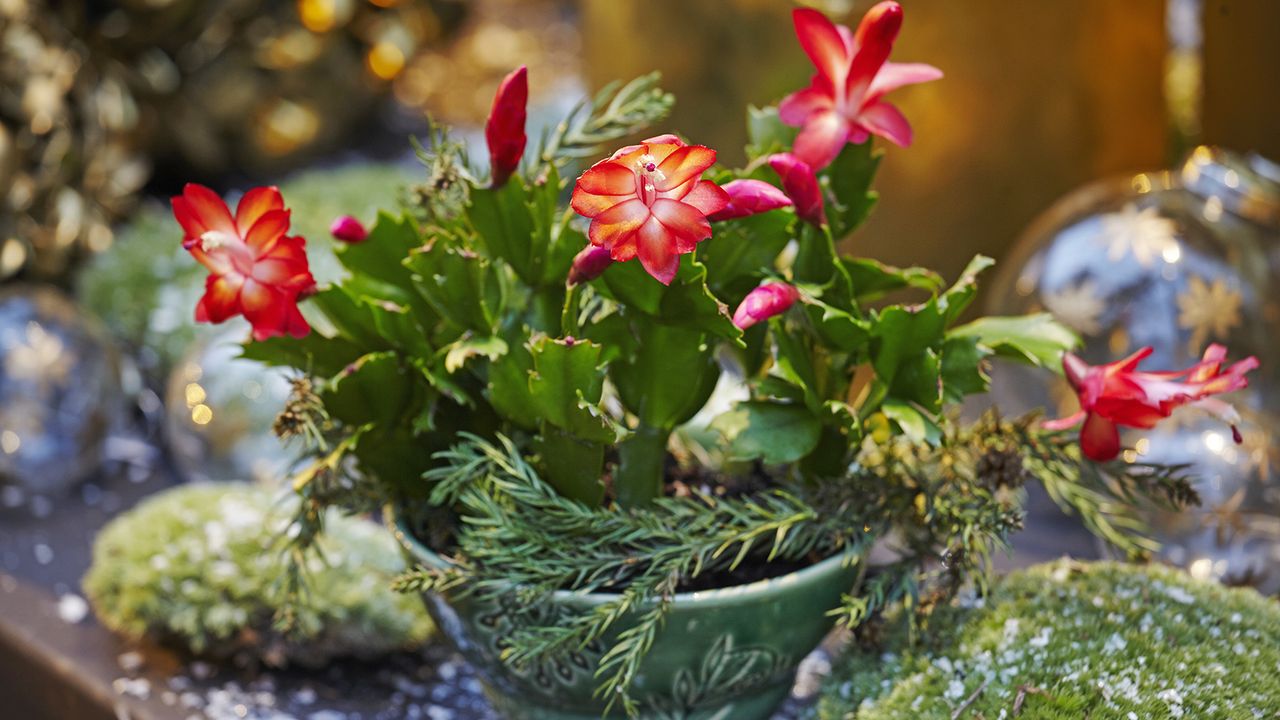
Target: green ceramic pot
x,y
727,654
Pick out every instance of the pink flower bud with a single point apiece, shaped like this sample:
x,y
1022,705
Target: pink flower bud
x,y
589,264
764,302
348,230
750,197
801,185
504,131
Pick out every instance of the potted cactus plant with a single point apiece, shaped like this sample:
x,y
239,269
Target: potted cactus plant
x,y
639,432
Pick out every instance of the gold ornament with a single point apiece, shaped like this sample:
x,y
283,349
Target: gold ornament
x,y
1209,311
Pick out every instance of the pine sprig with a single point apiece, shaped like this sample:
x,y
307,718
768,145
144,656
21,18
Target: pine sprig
x,y
615,112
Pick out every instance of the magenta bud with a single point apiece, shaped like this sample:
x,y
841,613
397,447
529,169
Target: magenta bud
x,y
589,264
764,302
801,185
348,230
504,130
750,197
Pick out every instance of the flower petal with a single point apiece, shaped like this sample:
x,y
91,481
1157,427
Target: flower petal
x,y
608,177
685,222
874,41
1063,423
823,137
683,164
589,205
657,250
221,298
1099,438
895,75
256,203
798,106
888,122
267,230
616,223
199,210
822,43
710,198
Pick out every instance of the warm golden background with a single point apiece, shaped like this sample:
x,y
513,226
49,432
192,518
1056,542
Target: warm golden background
x,y
1039,98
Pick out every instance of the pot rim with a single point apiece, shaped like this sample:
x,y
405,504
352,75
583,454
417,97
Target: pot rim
x,y
708,598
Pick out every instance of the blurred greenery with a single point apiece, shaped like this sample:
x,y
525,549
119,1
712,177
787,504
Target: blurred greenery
x,y
145,287
200,566
1097,640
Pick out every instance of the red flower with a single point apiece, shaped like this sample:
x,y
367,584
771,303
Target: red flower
x,y
1118,394
649,200
842,105
589,264
504,130
763,303
750,197
348,230
801,185
255,269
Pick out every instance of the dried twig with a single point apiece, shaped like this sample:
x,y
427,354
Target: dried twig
x,y
955,714
1021,697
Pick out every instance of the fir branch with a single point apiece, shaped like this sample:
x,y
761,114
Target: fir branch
x,y
615,112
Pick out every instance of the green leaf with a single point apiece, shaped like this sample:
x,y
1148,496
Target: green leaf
x,y
314,354
773,432
565,386
919,379
509,385
351,318
903,333
836,327
872,279
743,251
459,352
376,389
463,287
963,373
766,133
382,254
687,302
795,363
958,296
669,377
573,466
849,178
914,424
1034,339
504,221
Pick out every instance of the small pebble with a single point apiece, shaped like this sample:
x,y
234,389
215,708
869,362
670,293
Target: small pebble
x,y
130,662
43,553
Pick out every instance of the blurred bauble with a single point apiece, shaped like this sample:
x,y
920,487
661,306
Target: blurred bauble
x,y
69,144
60,390
220,409
1174,260
256,87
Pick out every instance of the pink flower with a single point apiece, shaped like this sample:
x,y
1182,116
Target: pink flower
x,y
649,201
256,270
763,303
1118,394
843,103
348,230
801,185
504,130
750,197
589,264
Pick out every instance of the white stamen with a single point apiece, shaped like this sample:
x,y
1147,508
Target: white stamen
x,y
648,187
645,161
214,239
658,176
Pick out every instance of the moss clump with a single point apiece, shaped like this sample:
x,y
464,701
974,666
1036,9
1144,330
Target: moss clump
x,y
1076,641
200,565
145,286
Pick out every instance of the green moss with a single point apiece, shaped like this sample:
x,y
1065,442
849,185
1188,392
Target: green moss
x,y
145,287
199,566
1098,640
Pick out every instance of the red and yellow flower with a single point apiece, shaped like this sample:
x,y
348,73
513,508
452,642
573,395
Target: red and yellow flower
x,y
1118,394
649,201
255,268
844,102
